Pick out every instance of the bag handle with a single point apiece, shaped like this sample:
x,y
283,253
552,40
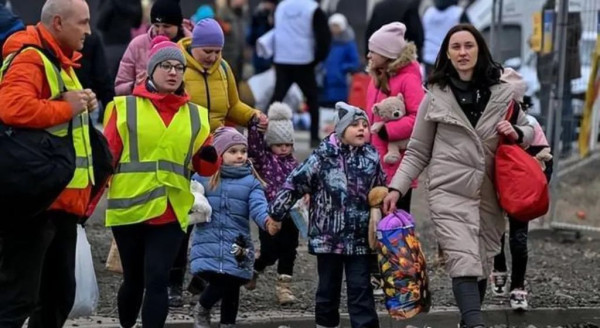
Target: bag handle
x,y
511,118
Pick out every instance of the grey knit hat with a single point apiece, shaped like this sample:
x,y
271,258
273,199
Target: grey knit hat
x,y
280,129
346,115
162,49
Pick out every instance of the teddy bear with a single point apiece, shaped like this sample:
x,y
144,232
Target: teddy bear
x,y
376,196
201,210
390,109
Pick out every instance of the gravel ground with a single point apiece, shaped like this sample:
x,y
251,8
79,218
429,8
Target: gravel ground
x,y
563,271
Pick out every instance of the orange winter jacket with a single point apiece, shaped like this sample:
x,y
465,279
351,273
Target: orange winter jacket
x,y
24,93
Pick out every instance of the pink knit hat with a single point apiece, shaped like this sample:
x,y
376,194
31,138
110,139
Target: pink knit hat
x,y
388,41
225,137
162,49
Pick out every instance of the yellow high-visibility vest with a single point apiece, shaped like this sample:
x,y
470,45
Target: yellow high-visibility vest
x,y
156,161
59,81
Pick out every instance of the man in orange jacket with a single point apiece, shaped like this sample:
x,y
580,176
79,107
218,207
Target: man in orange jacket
x,y
37,258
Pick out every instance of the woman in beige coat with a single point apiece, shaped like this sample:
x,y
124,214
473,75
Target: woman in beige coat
x,y
456,133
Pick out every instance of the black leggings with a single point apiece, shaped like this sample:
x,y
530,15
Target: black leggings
x,y
304,76
517,241
469,294
224,288
147,254
179,267
280,248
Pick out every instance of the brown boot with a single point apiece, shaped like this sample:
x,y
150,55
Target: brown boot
x,y
283,291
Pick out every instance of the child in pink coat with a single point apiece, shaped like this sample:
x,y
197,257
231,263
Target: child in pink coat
x,y
394,70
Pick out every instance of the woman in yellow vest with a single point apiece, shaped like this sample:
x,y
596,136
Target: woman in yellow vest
x,y
158,139
209,79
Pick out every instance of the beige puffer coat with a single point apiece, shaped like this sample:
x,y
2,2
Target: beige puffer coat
x,y
464,207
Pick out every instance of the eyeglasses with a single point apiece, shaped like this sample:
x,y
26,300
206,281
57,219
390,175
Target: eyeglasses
x,y
166,66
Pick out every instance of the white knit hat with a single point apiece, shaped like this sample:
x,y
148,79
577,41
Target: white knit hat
x,y
339,20
280,129
516,81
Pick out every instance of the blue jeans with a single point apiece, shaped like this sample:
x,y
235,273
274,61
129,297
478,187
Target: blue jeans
x,y
361,303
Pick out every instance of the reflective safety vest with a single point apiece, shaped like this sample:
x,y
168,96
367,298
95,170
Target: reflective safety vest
x,y
59,81
155,165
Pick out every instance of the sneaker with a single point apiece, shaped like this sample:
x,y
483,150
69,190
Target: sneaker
x,y
498,283
201,316
175,297
283,291
251,285
377,285
518,299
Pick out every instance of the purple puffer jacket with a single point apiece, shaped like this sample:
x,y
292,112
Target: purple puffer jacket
x,y
272,168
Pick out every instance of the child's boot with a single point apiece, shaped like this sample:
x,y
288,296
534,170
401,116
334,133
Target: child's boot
x,y
201,316
283,291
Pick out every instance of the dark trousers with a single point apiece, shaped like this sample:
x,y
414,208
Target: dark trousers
x,y
37,271
517,241
147,255
469,294
304,76
179,267
224,288
281,247
361,303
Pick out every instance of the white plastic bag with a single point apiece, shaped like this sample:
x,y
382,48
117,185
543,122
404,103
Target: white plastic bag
x,y
299,214
86,293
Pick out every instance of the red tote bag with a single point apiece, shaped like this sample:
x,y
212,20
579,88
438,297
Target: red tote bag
x,y
520,182
358,90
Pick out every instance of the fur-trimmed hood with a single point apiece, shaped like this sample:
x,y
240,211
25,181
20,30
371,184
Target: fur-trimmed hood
x,y
407,55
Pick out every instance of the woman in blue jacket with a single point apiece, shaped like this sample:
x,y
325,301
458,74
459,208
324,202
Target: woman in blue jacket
x,y
342,59
222,250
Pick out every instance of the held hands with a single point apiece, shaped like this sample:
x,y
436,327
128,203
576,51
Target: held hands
x,y
389,202
273,226
506,129
80,100
92,104
263,121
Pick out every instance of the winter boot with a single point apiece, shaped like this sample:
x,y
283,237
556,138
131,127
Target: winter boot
x,y
283,291
201,316
251,285
175,297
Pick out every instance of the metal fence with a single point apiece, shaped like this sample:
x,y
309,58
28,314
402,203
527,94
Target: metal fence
x,y
560,61
565,62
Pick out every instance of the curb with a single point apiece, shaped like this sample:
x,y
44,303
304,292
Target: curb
x,y
438,318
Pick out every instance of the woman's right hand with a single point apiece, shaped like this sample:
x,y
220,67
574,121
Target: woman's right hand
x,y
389,202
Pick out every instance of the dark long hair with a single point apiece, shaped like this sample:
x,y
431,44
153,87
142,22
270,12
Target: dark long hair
x,y
486,72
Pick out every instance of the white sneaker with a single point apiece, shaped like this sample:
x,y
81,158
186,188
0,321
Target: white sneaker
x,y
518,299
498,283
377,285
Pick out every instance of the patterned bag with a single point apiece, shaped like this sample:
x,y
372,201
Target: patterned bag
x,y
402,265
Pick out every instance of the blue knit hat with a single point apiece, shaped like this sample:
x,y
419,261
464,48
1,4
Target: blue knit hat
x,y
204,11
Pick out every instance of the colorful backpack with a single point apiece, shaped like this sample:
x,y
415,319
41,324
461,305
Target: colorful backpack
x,y
402,265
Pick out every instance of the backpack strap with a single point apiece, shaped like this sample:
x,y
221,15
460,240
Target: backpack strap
x,y
224,66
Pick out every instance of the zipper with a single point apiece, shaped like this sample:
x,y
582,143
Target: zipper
x,y
205,75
